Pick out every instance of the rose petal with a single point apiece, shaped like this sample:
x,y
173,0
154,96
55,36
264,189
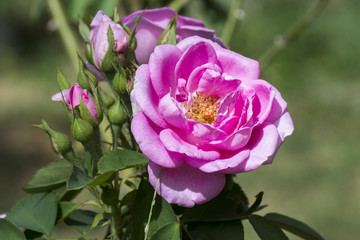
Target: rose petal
x,y
190,41
226,164
158,16
284,125
61,96
145,96
206,132
147,136
263,145
195,76
174,143
238,66
161,66
197,55
235,141
171,113
188,31
185,186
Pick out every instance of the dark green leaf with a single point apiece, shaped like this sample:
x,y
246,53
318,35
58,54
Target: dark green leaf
x,y
222,208
265,229
36,212
65,209
229,230
9,231
84,30
141,209
256,204
120,159
162,215
78,179
170,231
50,177
30,234
294,226
80,220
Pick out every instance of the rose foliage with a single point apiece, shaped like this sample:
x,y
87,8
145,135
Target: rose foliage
x,y
183,114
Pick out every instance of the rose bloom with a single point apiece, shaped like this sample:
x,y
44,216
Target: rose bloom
x,y
98,38
72,98
152,24
202,112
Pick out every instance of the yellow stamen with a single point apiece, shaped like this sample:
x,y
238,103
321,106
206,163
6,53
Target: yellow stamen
x,y
203,109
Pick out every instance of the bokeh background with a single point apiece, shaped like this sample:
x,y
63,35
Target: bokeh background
x,y
315,176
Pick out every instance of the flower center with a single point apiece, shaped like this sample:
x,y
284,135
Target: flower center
x,y
204,109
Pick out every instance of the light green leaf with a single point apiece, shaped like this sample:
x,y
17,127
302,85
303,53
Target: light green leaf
x,y
36,212
65,209
120,159
9,231
265,229
170,231
50,177
296,227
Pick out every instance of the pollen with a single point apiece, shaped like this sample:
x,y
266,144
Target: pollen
x,y
204,109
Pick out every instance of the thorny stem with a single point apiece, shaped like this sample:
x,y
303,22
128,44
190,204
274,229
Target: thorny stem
x,y
66,34
293,32
231,21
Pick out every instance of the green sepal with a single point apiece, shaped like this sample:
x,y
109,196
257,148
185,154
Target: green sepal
x,y
168,36
81,130
86,114
106,99
117,113
63,83
90,76
84,30
120,82
107,64
60,143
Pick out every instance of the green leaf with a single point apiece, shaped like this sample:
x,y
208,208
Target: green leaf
x,y
65,209
30,234
170,231
162,215
120,159
101,179
229,230
296,227
141,209
84,30
78,179
36,212
63,83
80,220
49,177
265,229
98,218
9,231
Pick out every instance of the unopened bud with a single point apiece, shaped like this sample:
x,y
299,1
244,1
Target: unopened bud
x,y
59,142
120,82
81,130
117,113
107,100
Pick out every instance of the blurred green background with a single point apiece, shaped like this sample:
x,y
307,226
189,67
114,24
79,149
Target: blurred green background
x,y
315,175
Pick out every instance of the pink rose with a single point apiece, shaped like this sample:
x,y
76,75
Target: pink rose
x,y
72,98
202,112
98,38
154,21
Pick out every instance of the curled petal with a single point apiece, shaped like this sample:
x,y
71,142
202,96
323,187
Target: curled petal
x,y
284,125
185,186
174,143
147,136
235,141
161,66
171,113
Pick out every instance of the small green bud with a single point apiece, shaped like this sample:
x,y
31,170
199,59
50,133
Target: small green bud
x,y
59,142
117,113
81,130
107,100
120,82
